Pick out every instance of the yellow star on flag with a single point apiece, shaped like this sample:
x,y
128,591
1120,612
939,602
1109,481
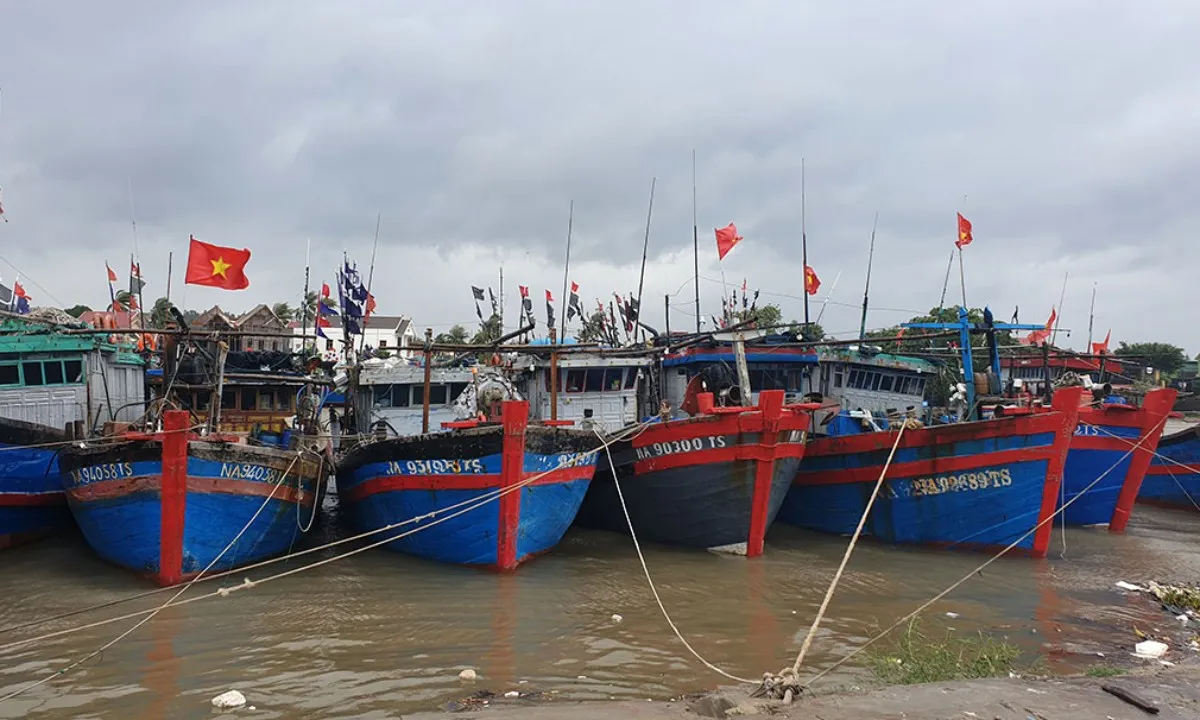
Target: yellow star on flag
x,y
219,266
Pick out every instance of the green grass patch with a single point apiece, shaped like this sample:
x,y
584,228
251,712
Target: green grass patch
x,y
917,656
1187,598
1103,671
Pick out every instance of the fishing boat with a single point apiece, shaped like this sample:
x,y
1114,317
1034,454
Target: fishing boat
x,y
54,387
179,496
1111,450
714,478
485,489
1173,478
973,484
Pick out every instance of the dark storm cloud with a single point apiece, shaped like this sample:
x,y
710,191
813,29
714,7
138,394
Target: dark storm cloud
x,y
1068,127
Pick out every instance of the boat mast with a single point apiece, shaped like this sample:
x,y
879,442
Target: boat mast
x,y
362,340
304,298
1058,316
862,327
645,251
695,242
562,316
804,243
1091,317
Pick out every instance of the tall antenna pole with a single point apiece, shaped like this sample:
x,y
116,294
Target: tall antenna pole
x,y
362,341
862,327
304,298
695,241
136,259
645,251
501,301
804,241
1058,315
1091,317
170,258
562,299
945,284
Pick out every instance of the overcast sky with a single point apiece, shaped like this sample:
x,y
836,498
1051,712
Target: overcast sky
x,y
1065,131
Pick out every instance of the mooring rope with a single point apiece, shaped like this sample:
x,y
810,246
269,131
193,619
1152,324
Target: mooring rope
x,y
160,608
650,581
472,504
924,606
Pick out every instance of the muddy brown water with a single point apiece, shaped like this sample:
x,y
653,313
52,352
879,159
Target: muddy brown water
x,y
381,634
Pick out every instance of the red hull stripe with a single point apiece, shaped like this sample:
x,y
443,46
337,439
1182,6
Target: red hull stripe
x,y
111,489
1092,442
920,468
746,422
937,435
16,499
1113,416
486,481
1173,469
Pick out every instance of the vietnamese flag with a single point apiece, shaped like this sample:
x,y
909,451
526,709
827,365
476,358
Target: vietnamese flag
x,y
370,305
112,276
727,237
812,283
1102,348
964,232
216,266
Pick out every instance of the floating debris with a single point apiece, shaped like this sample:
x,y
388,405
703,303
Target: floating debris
x,y
229,700
467,675
1150,649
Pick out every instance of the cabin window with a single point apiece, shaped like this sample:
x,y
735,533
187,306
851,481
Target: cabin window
x,y
795,380
265,401
853,381
918,386
382,344
283,399
575,381
54,372
437,395
418,394
248,396
457,389
631,378
382,395
875,379
613,379
400,394
594,380
837,379
886,383
32,372
328,344
10,374
229,399
73,370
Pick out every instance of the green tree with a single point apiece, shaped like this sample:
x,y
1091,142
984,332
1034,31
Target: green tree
x,y
309,309
456,335
1160,356
160,314
814,332
489,333
76,310
283,311
592,329
764,316
123,300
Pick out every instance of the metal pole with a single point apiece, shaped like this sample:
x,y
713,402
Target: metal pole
x,y
695,242
428,371
553,378
804,241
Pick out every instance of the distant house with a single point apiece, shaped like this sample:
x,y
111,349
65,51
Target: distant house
x,y
120,318
261,319
392,333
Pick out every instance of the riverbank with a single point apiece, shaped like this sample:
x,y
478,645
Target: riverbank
x,y
1173,691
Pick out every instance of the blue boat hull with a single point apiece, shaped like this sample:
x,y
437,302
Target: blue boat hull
x,y
980,485
32,503
135,516
1173,479
454,478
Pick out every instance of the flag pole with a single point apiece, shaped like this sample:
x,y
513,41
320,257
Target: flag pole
x,y
562,321
135,260
362,341
170,257
695,242
304,298
1058,316
645,251
962,279
945,284
501,301
862,327
804,240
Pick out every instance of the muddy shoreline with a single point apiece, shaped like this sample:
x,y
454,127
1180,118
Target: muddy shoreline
x,y
1173,691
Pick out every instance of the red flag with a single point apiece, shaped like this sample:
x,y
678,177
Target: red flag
x,y
324,289
19,291
1053,318
134,270
216,266
2,208
524,291
727,237
899,335
370,304
133,302
574,286
964,232
1101,348
1037,337
549,297
112,276
812,283
322,321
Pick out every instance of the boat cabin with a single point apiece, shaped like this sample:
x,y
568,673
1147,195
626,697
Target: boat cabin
x,y
57,380
593,390
773,365
860,378
392,393
1031,371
